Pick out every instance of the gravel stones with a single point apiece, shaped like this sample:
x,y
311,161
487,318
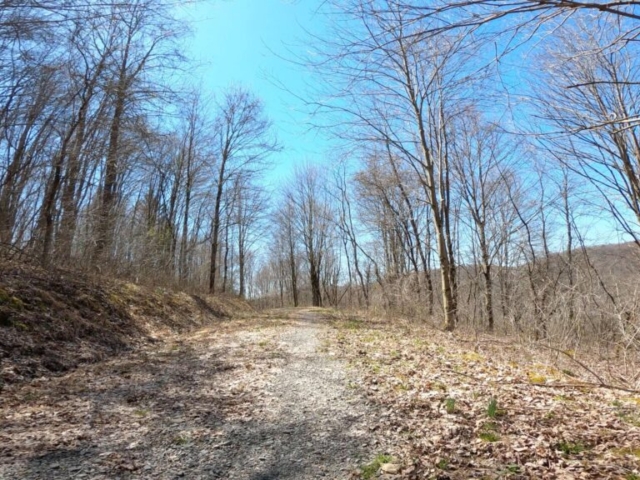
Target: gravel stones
x,y
260,401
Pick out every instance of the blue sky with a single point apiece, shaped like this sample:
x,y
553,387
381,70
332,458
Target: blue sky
x,y
241,42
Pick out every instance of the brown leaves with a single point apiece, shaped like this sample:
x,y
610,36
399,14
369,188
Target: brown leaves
x,y
53,321
121,417
436,395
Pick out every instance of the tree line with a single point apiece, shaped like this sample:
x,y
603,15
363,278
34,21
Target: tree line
x,y
471,184
111,161
484,146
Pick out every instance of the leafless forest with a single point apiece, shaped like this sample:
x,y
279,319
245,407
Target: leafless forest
x,y
486,147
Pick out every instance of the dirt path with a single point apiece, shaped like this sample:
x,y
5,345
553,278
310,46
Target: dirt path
x,y
252,401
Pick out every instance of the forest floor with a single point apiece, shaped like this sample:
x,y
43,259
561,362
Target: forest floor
x,y
305,394
245,398
456,406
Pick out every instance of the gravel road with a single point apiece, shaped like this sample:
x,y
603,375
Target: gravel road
x,y
263,401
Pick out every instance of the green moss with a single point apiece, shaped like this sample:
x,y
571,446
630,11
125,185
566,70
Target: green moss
x,y
10,300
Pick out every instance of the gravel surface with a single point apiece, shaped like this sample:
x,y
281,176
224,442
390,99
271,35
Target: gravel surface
x,y
260,401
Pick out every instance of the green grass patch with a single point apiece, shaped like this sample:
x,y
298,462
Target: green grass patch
x,y
536,378
439,386
369,471
562,398
180,439
489,436
352,324
513,468
472,357
450,405
376,367
12,301
489,432
492,408
571,448
419,342
626,413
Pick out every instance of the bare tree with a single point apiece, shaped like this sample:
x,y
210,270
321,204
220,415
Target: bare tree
x,y
347,225
393,88
590,100
448,15
312,213
242,142
248,219
481,162
144,43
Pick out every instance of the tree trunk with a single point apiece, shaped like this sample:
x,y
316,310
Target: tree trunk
x,y
104,234
215,226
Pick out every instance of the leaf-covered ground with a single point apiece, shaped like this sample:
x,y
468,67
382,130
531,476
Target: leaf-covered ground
x,y
52,321
457,409
246,399
271,397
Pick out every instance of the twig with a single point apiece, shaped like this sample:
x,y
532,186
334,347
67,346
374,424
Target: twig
x,y
581,364
580,385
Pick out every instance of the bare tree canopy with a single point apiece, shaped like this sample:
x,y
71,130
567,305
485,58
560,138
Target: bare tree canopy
x,y
474,13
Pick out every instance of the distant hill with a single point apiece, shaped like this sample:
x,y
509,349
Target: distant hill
x,y
614,261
